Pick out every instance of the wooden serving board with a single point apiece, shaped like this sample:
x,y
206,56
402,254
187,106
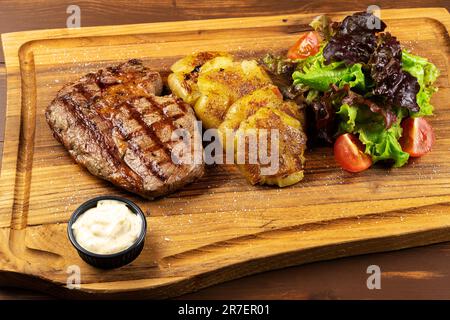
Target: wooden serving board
x,y
218,228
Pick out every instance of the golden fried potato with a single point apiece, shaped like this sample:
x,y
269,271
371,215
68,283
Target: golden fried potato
x,y
183,80
239,99
212,81
248,105
285,169
196,60
229,80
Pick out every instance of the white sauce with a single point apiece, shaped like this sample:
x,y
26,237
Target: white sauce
x,y
109,228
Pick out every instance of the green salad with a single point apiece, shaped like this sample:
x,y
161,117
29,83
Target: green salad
x,y
362,91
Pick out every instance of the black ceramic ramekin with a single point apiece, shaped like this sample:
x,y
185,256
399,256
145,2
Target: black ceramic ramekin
x,y
115,260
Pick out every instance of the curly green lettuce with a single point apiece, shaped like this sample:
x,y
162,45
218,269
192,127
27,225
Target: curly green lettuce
x,y
380,143
426,74
313,73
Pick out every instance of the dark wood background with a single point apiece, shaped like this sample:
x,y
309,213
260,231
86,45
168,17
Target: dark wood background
x,y
419,273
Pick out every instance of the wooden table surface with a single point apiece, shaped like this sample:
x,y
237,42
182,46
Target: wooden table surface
x,y
419,273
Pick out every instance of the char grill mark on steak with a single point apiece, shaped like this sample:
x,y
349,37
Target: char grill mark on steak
x,y
106,113
153,166
146,129
149,129
106,144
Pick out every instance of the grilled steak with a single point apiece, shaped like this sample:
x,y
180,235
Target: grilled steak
x,y
114,123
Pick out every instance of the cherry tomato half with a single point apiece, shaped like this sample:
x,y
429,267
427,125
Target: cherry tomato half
x,y
307,45
417,137
349,153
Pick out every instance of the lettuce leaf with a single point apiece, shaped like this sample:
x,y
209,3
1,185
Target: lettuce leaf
x,y
348,115
381,143
426,74
313,73
355,39
393,84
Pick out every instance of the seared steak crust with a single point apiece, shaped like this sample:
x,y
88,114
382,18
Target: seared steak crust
x,y
114,123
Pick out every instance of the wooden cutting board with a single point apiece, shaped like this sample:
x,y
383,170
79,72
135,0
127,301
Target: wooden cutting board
x,y
218,228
